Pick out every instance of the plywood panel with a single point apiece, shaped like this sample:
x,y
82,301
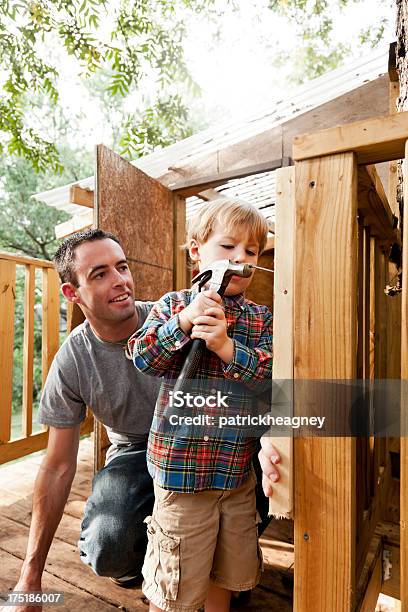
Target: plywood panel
x,y
325,347
139,210
261,288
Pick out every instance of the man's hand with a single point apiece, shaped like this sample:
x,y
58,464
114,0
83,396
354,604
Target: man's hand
x,y
212,328
203,301
23,586
268,458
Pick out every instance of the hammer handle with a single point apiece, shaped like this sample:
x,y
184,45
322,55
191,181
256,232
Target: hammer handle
x,y
191,363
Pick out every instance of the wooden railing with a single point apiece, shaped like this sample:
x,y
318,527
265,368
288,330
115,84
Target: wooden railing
x,y
28,442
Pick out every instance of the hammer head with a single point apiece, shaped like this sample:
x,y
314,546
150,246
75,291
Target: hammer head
x,y
219,273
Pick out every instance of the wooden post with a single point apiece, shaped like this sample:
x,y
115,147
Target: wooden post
x,y
325,347
404,416
179,238
28,357
7,299
50,323
281,502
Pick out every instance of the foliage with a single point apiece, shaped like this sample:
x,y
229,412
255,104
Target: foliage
x,y
27,225
314,21
128,40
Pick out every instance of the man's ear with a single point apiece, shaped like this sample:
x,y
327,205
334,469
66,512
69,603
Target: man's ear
x,y
194,250
70,293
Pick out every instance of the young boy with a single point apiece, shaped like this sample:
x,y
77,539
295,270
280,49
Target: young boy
x,y
202,534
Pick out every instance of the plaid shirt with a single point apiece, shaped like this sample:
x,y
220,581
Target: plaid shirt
x,y
190,463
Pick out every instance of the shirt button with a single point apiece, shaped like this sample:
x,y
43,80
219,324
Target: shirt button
x,y
236,375
177,343
206,438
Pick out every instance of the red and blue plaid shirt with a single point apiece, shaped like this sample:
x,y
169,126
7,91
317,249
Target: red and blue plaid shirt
x,y
191,463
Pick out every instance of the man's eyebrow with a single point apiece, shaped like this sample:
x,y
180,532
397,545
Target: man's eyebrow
x,y
104,266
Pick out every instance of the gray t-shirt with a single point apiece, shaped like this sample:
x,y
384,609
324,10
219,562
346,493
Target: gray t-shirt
x,y
87,371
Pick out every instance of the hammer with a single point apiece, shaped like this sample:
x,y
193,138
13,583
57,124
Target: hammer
x,y
218,275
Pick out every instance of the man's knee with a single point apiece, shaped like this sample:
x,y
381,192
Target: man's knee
x,y
111,548
113,535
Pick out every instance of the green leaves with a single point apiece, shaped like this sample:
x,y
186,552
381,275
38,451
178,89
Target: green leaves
x,y
140,38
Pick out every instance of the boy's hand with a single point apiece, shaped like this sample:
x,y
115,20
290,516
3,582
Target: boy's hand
x,y
212,328
202,302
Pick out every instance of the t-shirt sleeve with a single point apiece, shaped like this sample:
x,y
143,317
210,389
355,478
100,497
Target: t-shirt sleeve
x,y
61,404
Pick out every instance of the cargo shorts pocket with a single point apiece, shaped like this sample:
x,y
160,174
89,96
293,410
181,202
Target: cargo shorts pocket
x,y
161,566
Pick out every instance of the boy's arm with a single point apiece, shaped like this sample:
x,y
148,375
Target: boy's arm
x,y
252,365
154,345
166,330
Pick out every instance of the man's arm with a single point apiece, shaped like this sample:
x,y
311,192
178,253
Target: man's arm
x,y
51,490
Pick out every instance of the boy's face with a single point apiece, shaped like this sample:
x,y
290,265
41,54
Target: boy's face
x,y
227,243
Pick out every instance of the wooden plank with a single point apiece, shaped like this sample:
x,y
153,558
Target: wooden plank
x,y
392,586
7,302
372,578
129,204
325,307
188,188
374,207
393,328
75,598
24,259
281,502
63,562
394,91
23,446
81,196
77,223
380,139
404,403
28,355
179,232
50,319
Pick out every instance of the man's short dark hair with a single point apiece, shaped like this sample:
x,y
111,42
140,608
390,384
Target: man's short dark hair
x,y
64,258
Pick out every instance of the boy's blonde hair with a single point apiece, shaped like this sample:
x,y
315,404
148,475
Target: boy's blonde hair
x,y
230,213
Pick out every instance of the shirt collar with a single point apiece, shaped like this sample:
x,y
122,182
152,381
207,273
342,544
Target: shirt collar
x,y
236,302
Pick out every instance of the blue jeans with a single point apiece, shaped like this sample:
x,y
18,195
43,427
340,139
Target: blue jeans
x,y
113,535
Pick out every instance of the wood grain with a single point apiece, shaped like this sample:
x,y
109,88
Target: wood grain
x,y
374,140
281,502
7,301
325,347
404,403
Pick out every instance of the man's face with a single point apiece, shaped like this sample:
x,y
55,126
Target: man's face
x,y
228,243
105,289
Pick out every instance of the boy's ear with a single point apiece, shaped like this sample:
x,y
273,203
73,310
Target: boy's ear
x,y
194,250
70,293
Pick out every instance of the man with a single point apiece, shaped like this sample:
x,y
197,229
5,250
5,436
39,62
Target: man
x,y
91,369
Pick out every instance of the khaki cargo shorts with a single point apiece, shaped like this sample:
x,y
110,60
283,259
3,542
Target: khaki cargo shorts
x,y
197,537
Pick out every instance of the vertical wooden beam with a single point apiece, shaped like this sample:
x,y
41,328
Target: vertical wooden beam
x,y
404,407
50,322
179,238
28,357
393,165
325,347
7,299
281,503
